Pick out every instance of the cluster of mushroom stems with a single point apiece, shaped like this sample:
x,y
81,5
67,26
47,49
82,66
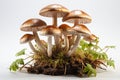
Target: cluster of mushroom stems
x,y
65,37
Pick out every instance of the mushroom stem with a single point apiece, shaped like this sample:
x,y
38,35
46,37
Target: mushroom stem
x,y
32,47
39,42
55,20
74,36
49,50
66,42
72,41
57,41
75,45
76,22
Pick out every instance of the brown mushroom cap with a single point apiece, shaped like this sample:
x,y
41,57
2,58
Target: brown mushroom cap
x,y
26,38
50,30
33,24
90,38
52,9
82,29
93,37
77,15
65,27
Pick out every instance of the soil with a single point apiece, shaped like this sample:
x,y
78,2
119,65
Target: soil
x,y
72,68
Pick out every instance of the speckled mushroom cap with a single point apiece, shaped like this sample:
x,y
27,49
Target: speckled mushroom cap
x,y
50,30
82,29
77,15
33,24
52,9
26,38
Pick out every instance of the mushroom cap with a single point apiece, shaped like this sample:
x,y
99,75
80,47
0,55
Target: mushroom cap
x,y
51,10
79,15
33,24
90,38
26,38
65,27
82,29
50,30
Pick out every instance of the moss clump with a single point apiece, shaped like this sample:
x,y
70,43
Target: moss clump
x,y
84,61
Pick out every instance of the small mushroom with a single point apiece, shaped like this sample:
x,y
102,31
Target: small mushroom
x,y
50,31
81,30
27,38
90,38
77,17
34,25
54,11
66,30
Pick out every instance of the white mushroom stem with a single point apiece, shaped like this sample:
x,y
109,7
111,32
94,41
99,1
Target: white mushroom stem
x,y
49,49
32,47
74,36
75,45
57,41
39,42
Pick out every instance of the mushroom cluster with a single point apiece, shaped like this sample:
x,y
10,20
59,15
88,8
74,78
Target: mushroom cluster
x,y
66,38
68,49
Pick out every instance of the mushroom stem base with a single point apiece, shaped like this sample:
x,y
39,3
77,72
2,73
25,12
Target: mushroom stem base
x,y
70,52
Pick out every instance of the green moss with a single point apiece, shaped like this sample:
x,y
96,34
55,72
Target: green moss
x,y
84,61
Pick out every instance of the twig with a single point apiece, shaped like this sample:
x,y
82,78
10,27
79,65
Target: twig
x,y
25,64
65,70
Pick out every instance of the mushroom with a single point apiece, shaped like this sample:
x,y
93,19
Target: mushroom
x,y
34,25
66,30
50,31
90,38
77,17
81,30
54,11
27,38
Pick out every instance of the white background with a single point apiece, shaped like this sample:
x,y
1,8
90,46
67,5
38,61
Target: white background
x,y
105,24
